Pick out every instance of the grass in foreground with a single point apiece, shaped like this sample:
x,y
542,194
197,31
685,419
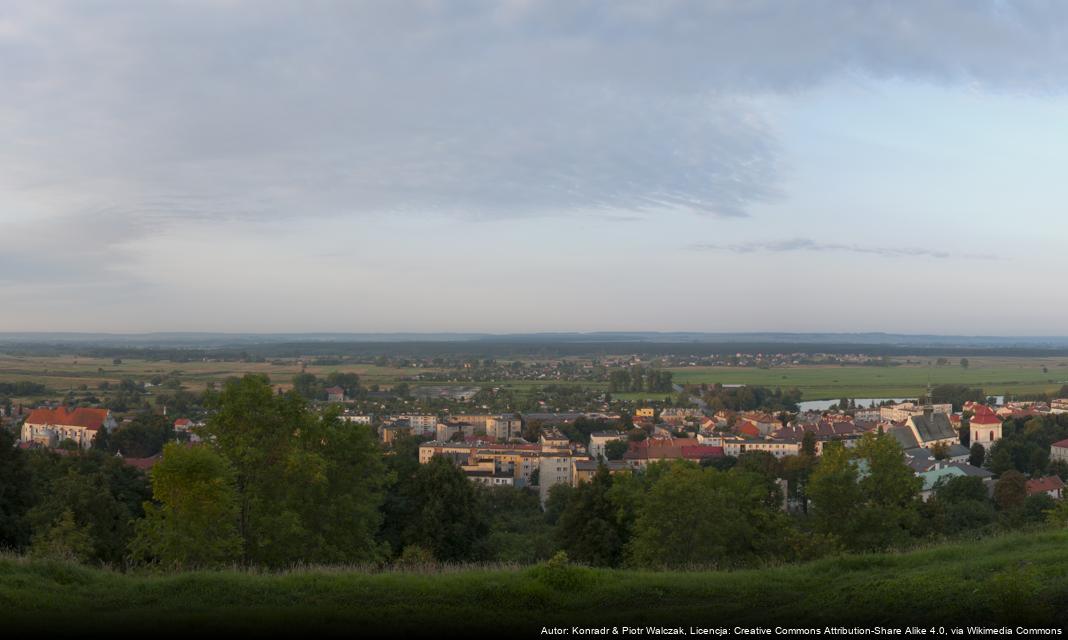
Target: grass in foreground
x,y
1011,579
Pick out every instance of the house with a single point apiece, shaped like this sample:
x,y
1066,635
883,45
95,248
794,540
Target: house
x,y
764,423
335,394
50,427
937,476
186,426
1050,485
1059,451
1060,405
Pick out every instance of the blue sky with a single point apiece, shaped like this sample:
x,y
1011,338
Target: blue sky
x,y
533,166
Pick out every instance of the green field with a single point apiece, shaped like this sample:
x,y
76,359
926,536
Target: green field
x,y
1012,579
65,372
996,376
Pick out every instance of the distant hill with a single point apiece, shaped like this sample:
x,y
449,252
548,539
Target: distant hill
x,y
207,340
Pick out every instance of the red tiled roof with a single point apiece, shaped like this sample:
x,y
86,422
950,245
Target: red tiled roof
x,y
701,452
182,422
1042,485
91,419
142,463
985,418
1060,443
749,429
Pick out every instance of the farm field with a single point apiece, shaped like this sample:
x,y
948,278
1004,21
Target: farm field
x,y
996,376
1012,579
64,372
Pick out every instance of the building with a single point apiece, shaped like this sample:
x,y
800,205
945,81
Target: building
x,y
600,439
186,426
905,410
421,425
1052,486
390,432
50,427
925,430
517,460
486,473
1060,405
1059,451
504,427
554,467
584,470
985,428
645,412
643,452
335,394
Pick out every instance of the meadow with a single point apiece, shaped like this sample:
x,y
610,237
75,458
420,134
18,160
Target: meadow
x,y
1019,578
995,375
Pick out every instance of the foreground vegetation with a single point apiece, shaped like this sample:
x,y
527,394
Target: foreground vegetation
x,y
1012,579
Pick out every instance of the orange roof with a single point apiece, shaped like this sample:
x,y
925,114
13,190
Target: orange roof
x,y
91,419
749,429
1042,485
985,418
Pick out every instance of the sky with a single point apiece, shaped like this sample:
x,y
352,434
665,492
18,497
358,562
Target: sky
x,y
517,166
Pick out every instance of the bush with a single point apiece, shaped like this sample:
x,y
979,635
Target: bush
x,y
558,573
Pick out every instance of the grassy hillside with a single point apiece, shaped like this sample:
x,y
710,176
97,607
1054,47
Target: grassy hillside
x,y
1013,579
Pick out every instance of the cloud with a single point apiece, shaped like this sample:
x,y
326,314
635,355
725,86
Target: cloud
x,y
290,109
809,245
123,121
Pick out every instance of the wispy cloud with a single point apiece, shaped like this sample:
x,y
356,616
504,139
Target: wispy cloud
x,y
809,245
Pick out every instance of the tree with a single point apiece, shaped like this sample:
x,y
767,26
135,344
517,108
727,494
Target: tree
x,y
615,449
977,455
193,522
143,437
64,539
964,363
440,512
693,516
87,495
588,528
15,493
308,485
1010,490
867,498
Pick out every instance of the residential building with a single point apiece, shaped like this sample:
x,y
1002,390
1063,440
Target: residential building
x,y
504,427
600,439
1052,486
335,394
1059,451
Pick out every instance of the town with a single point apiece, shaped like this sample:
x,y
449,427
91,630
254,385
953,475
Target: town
x,y
966,463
